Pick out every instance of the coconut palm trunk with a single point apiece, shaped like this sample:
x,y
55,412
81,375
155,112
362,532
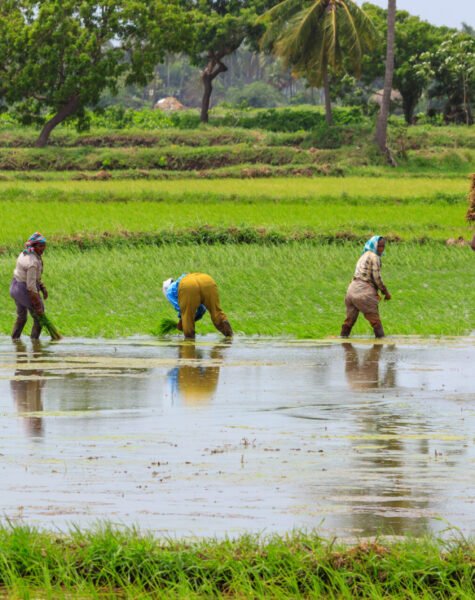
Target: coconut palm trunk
x,y
328,102
382,124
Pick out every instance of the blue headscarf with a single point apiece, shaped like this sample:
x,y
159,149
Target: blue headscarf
x,y
35,238
372,245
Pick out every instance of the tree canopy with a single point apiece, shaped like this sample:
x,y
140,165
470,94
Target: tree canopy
x,y
219,29
413,37
316,36
60,55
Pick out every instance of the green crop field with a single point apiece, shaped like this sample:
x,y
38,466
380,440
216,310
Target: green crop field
x,y
282,249
409,221
294,290
277,188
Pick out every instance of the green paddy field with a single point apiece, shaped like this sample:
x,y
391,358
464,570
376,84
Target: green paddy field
x,y
282,250
279,223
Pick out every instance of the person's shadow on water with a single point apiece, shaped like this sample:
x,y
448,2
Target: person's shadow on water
x,y
364,372
194,382
27,387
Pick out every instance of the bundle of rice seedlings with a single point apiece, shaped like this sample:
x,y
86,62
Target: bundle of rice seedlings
x,y
50,327
167,325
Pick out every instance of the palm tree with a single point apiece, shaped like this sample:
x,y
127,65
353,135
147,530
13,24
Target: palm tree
x,y
324,35
382,125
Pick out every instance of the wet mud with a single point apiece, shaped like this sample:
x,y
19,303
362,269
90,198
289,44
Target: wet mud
x,y
212,438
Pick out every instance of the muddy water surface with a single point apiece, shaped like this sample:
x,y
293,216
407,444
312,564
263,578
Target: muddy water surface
x,y
213,438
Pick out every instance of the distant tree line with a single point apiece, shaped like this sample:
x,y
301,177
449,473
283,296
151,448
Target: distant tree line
x,y
59,57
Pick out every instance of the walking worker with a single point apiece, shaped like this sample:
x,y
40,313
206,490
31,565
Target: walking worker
x,y
191,295
362,294
26,286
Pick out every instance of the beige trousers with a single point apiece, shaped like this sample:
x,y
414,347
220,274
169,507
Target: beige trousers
x,y
362,297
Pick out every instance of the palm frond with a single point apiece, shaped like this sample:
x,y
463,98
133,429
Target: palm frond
x,y
324,34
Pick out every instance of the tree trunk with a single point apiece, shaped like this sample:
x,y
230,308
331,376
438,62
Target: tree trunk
x,y
205,101
409,103
68,109
212,70
328,102
382,125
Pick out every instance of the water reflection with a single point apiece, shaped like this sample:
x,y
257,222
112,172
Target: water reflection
x,y
195,384
364,372
28,386
387,488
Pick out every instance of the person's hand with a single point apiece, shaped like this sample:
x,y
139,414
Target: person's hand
x,y
473,243
179,325
37,304
387,296
44,291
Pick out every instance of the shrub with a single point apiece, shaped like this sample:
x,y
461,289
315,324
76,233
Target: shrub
x,y
257,95
326,136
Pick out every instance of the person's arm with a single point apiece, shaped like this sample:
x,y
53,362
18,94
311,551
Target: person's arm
x,y
31,286
44,291
32,278
376,274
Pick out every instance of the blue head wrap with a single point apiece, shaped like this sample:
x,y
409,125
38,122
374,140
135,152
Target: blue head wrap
x,y
35,238
372,245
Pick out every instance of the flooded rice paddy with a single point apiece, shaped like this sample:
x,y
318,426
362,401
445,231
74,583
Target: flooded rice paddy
x,y
214,438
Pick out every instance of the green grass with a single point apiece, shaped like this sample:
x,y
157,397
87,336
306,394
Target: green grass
x,y
342,160
108,563
278,188
323,209
56,220
419,136
295,289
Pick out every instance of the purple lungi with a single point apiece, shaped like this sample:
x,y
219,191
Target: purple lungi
x,y
19,293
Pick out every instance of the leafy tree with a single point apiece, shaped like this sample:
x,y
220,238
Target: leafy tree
x,y
452,66
316,36
220,27
60,55
413,37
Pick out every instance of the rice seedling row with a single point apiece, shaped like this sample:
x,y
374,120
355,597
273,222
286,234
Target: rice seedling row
x,y
292,290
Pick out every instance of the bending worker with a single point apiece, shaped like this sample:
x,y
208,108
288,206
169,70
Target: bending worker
x,y
362,294
191,295
26,286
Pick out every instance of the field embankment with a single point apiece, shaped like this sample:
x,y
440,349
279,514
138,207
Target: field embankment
x,y
233,152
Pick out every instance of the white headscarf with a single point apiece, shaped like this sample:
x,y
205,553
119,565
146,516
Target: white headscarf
x,y
166,284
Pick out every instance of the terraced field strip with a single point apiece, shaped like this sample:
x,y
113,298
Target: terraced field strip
x,y
275,188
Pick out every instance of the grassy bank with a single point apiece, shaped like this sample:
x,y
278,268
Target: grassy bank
x,y
186,158
295,289
108,563
225,151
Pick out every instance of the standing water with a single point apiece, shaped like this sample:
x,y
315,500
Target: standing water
x,y
214,438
